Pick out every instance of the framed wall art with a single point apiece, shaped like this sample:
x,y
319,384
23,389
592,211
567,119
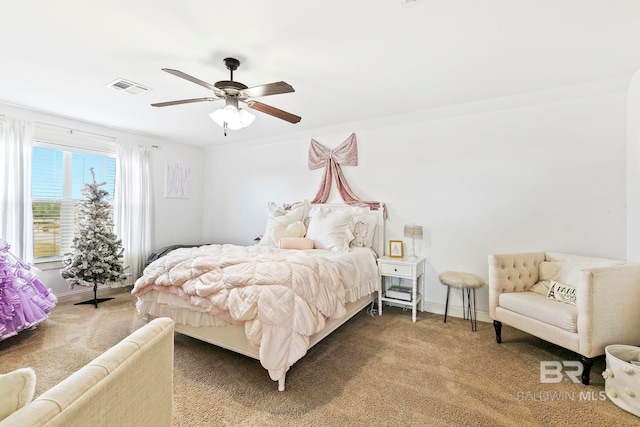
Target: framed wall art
x,y
177,181
396,249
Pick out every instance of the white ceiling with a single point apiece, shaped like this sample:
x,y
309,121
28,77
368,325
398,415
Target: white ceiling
x,y
348,60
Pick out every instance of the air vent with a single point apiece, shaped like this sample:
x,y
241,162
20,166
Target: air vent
x,y
127,86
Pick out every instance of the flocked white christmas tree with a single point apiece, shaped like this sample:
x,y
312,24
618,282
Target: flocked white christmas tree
x,y
96,252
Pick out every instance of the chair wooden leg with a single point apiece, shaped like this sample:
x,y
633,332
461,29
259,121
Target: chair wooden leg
x,y
587,363
498,327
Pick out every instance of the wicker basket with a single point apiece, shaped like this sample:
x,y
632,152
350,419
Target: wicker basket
x,y
621,378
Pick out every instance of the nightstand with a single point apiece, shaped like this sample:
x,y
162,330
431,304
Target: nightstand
x,y
402,268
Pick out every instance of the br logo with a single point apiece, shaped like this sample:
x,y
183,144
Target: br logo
x,y
553,372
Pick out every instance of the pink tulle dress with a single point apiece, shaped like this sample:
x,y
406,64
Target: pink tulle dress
x,y
24,300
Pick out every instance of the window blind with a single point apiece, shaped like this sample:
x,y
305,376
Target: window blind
x,y
58,177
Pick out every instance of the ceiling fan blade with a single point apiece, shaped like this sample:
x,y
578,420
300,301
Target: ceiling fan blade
x,y
273,111
268,89
192,79
183,101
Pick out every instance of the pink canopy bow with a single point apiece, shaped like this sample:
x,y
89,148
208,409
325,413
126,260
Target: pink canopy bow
x,y
345,154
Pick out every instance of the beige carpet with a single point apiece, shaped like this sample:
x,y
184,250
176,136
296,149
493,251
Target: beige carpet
x,y
372,371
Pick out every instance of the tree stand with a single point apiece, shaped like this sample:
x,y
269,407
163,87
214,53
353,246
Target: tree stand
x,y
95,301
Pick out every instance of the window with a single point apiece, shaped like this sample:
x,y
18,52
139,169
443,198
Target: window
x,y
58,177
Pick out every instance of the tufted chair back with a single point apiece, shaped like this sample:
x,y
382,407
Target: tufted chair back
x,y
512,273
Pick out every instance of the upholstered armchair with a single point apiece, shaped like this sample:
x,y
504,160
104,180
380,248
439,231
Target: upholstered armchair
x,y
607,301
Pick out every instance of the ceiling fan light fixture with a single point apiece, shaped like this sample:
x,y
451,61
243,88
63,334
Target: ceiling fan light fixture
x,y
232,118
218,116
245,117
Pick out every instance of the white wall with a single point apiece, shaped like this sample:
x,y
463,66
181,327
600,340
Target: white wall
x,y
504,176
633,170
531,172
175,220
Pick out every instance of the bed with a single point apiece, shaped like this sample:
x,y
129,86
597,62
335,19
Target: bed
x,y
274,300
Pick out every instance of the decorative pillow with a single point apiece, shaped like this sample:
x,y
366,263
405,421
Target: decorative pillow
x,y
16,390
541,287
359,235
295,243
562,257
363,227
281,229
564,272
278,215
330,230
561,292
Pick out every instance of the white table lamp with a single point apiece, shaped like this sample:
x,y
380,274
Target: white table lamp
x,y
413,232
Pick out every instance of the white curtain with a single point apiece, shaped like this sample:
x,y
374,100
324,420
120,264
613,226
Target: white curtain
x,y
16,219
132,213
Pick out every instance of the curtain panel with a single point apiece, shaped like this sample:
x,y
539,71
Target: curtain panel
x,y
132,209
16,218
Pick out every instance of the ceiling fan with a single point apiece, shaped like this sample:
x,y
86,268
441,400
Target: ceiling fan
x,y
230,116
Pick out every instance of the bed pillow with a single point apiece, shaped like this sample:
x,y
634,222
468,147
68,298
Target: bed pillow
x,y
273,211
295,243
17,389
278,215
330,229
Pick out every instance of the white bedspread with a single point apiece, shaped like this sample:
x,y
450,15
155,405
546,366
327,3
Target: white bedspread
x,y
281,296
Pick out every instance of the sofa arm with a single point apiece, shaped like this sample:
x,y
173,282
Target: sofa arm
x,y
608,302
130,384
511,273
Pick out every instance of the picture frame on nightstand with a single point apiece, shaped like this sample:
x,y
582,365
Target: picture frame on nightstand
x,y
396,249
